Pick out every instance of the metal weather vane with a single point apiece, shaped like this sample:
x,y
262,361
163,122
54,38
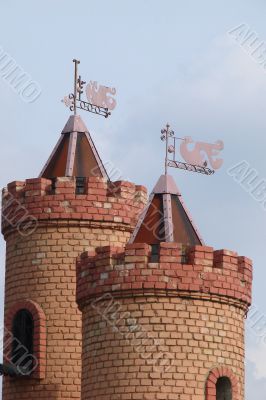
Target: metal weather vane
x,y
197,159
100,98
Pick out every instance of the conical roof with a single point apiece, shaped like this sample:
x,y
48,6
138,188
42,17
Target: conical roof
x,y
165,218
74,153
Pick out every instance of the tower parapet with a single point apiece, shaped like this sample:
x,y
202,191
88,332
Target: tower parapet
x,y
69,199
196,271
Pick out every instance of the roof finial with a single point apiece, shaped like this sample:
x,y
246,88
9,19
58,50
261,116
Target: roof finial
x,y
196,159
100,100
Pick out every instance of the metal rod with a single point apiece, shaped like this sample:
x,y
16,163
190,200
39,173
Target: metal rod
x,y
166,149
75,84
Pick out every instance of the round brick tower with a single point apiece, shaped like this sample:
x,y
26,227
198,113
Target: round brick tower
x,y
47,222
165,320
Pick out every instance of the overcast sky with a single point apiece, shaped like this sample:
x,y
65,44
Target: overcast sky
x,y
170,61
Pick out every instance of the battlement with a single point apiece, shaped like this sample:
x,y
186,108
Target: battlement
x,y
171,269
70,198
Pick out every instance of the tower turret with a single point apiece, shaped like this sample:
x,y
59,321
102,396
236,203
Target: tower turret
x,y
165,324
47,222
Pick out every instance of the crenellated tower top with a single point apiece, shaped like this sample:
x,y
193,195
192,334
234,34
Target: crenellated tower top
x,y
196,272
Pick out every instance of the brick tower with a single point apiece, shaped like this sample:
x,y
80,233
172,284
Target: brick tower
x,y
47,223
163,317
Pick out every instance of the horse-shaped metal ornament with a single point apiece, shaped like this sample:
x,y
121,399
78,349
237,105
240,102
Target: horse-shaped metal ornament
x,y
201,153
100,95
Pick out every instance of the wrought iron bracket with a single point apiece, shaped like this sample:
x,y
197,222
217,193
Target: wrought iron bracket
x,y
84,105
190,167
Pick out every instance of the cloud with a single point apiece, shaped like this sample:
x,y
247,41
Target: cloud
x,y
255,388
257,355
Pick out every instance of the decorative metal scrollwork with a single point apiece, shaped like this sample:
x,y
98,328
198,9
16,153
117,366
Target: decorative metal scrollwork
x,y
84,105
100,98
190,167
194,159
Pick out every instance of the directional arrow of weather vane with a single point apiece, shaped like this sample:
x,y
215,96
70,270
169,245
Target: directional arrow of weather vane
x,y
196,159
100,98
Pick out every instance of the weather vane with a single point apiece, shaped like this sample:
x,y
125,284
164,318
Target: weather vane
x,y
197,159
100,100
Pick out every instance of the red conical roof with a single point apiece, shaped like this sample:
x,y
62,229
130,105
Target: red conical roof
x,y
165,218
74,153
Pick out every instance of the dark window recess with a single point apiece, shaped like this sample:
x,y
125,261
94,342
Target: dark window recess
x,y
184,258
22,343
80,185
154,253
53,185
223,389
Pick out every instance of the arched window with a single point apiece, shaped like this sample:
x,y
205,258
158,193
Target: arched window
x,y
222,384
25,340
22,345
223,389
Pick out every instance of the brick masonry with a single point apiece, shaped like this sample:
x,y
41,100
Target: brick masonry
x,y
46,227
160,330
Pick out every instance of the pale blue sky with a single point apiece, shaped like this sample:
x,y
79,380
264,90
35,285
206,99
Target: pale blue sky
x,y
170,61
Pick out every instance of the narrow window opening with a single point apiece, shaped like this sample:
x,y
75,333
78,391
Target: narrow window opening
x,y
154,253
22,341
53,185
223,389
80,185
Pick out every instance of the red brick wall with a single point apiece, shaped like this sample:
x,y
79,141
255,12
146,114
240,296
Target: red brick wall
x,y
156,330
41,266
